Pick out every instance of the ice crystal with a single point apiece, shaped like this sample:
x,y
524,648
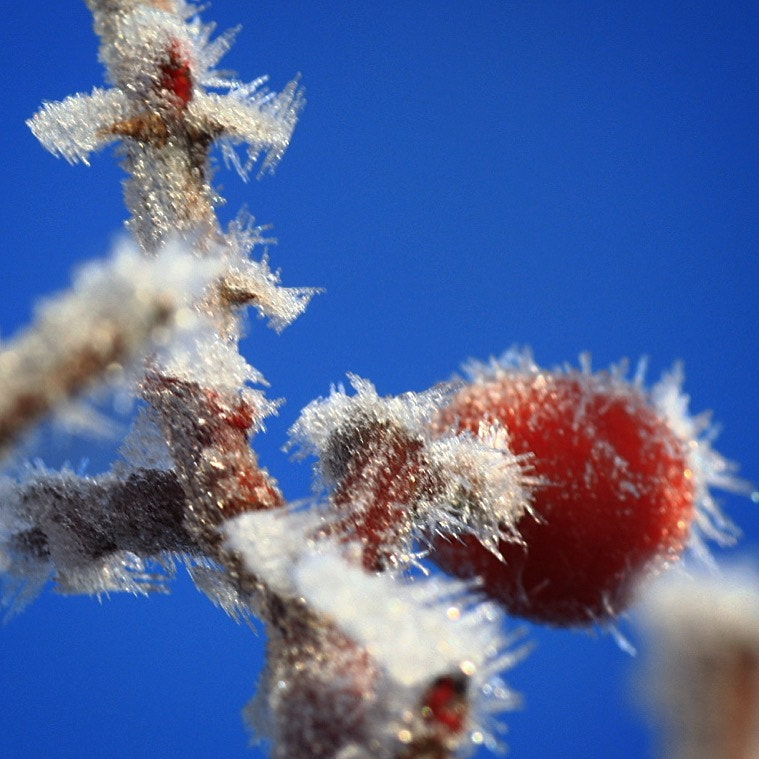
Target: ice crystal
x,y
79,125
707,468
160,63
252,282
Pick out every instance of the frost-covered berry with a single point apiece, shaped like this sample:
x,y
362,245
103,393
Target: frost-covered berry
x,y
622,477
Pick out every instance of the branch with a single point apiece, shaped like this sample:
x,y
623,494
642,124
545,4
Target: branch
x,y
90,534
113,314
208,433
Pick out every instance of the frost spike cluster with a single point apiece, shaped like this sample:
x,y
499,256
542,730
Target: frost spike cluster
x,y
160,60
393,479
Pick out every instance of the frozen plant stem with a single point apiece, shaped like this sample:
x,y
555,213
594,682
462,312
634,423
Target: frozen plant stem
x,y
118,308
191,487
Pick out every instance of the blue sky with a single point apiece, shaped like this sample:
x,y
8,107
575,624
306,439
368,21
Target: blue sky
x,y
570,176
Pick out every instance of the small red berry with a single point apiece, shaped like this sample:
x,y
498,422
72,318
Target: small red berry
x,y
616,492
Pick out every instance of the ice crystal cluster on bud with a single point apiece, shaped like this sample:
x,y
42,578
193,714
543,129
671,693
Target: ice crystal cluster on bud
x,y
160,60
250,282
392,479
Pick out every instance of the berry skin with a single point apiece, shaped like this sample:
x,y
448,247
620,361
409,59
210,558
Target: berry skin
x,y
615,494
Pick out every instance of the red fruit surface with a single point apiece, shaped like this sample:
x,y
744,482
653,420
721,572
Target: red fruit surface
x,y
616,496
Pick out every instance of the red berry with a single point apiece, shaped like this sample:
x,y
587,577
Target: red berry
x,y
615,494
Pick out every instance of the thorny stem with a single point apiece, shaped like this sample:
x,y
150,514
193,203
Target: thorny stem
x,y
166,140
209,437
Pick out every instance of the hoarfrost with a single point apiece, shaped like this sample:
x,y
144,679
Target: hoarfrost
x,y
440,629
79,125
450,482
121,309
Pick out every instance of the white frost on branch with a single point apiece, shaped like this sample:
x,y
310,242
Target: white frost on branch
x,y
269,543
432,634
200,356
80,124
314,430
439,629
442,637
91,535
115,312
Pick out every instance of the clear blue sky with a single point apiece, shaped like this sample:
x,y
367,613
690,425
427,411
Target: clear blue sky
x,y
466,176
